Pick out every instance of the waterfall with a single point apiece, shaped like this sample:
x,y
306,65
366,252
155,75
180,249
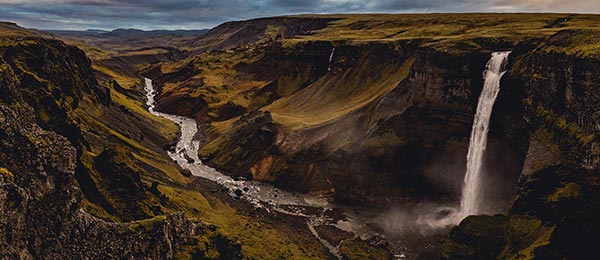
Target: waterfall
x,y
330,59
472,192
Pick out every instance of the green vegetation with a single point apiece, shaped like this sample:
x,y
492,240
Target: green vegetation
x,y
576,42
283,79
573,142
343,94
497,237
214,245
123,80
446,31
568,191
146,225
355,249
259,238
122,157
297,101
552,218
525,235
10,30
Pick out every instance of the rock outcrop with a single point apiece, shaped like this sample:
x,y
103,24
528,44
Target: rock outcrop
x,y
41,82
41,207
555,213
555,216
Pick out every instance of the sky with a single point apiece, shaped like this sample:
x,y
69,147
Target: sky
x,y
200,14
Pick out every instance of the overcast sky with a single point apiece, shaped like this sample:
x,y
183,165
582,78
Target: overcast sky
x,y
199,14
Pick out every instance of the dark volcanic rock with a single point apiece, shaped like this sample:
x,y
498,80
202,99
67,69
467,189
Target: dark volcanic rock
x,y
40,200
170,147
555,213
488,231
555,216
560,97
41,206
229,110
186,173
238,192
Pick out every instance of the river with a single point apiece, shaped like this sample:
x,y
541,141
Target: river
x,y
423,217
259,194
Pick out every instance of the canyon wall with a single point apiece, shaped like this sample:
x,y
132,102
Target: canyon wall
x,y
45,91
395,115
554,215
389,119
384,118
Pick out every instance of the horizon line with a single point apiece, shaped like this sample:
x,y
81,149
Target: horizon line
x,y
297,15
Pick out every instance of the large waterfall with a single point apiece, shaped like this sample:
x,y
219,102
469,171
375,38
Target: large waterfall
x,y
471,192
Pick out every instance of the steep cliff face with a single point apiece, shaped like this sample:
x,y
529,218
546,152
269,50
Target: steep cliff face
x,y
220,85
300,135
367,108
341,113
116,193
41,202
561,92
554,215
57,81
40,64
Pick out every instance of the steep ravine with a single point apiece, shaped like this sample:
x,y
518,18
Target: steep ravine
x,y
41,202
379,127
122,196
407,134
415,121
410,142
316,211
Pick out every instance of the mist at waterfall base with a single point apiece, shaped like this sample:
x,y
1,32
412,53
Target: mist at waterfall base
x,y
414,217
485,186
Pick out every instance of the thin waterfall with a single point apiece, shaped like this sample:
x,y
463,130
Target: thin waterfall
x,y
330,59
472,192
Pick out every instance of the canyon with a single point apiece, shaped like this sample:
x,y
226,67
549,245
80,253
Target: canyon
x,y
305,137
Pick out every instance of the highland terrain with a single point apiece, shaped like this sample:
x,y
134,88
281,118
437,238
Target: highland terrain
x,y
371,113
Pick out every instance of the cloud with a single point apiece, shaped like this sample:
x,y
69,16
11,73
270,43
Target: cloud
x,y
188,14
